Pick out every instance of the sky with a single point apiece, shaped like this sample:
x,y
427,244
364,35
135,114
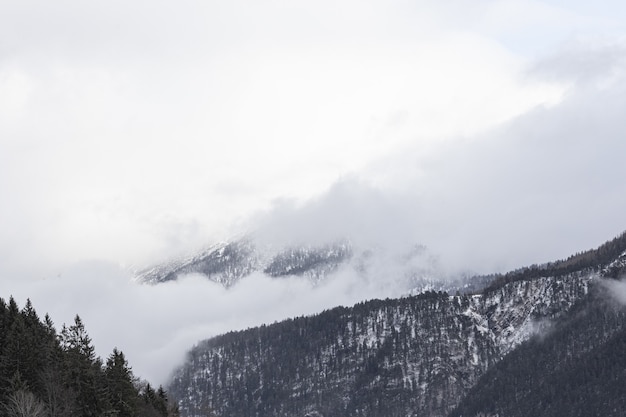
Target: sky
x,y
489,131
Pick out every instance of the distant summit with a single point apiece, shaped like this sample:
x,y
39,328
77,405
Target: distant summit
x,y
227,263
413,270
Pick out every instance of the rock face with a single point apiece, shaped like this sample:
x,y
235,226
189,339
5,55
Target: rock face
x,y
576,369
414,356
412,270
313,263
227,263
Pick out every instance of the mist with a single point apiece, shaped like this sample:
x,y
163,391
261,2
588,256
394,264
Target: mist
x,y
155,325
541,187
616,289
491,134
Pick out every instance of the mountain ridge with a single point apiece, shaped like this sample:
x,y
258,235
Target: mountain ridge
x,y
415,269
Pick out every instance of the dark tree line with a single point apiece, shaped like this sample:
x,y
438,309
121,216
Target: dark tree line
x,y
581,262
48,374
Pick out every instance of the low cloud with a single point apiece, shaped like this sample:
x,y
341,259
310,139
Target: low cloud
x,y
540,188
350,209
109,181
155,325
616,289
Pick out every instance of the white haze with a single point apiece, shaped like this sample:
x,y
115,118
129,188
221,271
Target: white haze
x,y
616,289
538,188
491,132
541,187
130,132
156,325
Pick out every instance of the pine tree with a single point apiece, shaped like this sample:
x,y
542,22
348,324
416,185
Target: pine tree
x,y
160,402
12,362
59,397
75,340
84,370
122,393
45,374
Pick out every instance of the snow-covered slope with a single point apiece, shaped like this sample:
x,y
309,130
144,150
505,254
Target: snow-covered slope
x,y
227,263
224,263
413,270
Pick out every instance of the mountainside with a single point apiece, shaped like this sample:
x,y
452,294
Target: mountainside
x,y
413,356
578,369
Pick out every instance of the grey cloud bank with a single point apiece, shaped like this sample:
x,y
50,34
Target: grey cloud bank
x,y
539,188
127,131
131,134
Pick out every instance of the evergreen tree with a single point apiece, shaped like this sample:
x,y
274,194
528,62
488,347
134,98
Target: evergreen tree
x,y
12,361
45,374
122,393
83,370
75,340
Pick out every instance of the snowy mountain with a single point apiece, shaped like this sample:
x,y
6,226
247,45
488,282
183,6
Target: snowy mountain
x,y
414,270
224,263
414,356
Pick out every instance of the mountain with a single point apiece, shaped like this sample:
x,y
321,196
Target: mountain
x,y
414,269
421,355
224,263
227,263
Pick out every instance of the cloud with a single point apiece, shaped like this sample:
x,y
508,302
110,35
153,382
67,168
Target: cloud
x,y
120,123
538,188
156,325
350,209
585,62
616,289
129,134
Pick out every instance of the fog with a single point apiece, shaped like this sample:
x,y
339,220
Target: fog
x,y
539,188
156,325
491,133
128,133
616,289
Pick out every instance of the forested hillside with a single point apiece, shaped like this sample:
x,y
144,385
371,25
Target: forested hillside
x,y
45,373
413,356
608,258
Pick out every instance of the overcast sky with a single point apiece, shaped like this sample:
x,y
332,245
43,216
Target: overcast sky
x,y
130,132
